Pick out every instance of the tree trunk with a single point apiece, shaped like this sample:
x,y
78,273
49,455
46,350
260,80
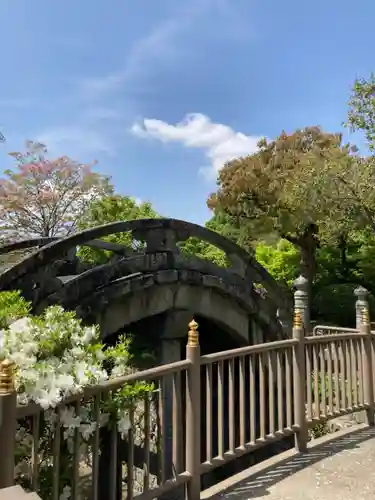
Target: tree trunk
x,y
308,267
343,256
307,243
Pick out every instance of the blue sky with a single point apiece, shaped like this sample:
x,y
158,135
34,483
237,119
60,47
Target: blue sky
x,y
162,92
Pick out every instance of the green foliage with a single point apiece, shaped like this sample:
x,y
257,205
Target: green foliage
x,y
12,307
203,250
228,227
280,260
361,116
339,270
113,209
319,430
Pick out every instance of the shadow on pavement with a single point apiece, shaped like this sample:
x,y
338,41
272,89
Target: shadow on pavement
x,y
257,485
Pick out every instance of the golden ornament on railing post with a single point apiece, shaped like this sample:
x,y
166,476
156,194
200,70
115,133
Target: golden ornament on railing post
x,y
193,412
6,376
8,423
365,316
193,335
297,319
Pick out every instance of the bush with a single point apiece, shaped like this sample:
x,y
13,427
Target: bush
x,y
56,356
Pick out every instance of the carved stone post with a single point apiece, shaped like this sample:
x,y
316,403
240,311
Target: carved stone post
x,y
361,293
8,424
301,301
299,378
367,351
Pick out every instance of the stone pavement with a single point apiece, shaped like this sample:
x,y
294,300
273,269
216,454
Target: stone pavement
x,y
337,467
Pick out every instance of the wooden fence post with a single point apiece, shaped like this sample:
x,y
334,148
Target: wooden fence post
x,y
362,308
8,424
299,364
193,403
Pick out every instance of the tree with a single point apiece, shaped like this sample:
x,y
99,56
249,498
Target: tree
x,y
43,197
361,114
279,190
358,178
109,209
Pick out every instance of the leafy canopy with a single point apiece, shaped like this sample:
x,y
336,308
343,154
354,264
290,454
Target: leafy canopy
x,y
270,189
361,115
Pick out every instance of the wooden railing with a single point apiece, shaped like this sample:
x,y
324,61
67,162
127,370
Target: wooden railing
x,y
208,410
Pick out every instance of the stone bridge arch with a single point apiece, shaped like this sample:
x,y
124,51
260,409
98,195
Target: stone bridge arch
x,y
157,277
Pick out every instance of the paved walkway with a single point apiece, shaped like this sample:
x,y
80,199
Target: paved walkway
x,y
337,467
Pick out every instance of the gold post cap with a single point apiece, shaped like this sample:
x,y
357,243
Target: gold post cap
x,y
6,376
193,335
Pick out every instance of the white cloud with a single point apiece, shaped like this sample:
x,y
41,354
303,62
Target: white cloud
x,y
220,142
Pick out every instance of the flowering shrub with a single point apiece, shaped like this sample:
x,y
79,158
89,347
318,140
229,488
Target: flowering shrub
x,y
46,197
55,357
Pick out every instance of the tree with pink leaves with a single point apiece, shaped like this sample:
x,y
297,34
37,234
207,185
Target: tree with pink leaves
x,y
42,197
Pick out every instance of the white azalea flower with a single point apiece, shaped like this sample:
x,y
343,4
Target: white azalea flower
x,y
22,325
117,371
2,341
124,423
66,494
56,357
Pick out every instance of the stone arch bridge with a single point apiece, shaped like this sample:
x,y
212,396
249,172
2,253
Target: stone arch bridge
x,y
152,288
156,279
150,278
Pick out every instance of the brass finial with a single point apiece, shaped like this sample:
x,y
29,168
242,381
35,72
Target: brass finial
x,y
297,322
365,316
193,335
6,377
